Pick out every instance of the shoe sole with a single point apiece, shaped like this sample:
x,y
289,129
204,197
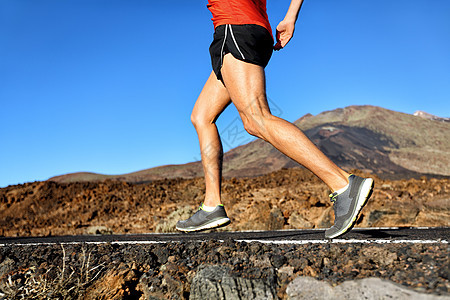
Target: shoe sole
x,y
364,195
214,224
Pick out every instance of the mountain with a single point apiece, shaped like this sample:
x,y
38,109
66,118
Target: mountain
x,y
372,139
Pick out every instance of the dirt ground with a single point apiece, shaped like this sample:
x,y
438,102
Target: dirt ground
x,y
286,199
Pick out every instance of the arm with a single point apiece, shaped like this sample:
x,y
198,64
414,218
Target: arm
x,y
285,30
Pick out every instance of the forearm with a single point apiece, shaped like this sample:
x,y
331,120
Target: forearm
x,y
294,8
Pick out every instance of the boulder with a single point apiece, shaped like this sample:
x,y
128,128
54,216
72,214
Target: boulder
x,y
217,282
367,288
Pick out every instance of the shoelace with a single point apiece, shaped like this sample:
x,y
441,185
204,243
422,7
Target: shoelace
x,y
333,197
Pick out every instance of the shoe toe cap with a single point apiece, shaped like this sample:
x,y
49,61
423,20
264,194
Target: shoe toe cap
x,y
182,224
329,233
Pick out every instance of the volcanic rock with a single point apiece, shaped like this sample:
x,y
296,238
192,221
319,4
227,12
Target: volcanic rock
x,y
368,288
287,199
228,269
216,282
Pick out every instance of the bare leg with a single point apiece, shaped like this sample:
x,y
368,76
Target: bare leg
x,y
210,104
245,84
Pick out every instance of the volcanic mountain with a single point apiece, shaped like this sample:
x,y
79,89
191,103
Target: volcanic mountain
x,y
372,139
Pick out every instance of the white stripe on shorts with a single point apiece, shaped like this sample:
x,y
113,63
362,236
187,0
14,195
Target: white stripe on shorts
x,y
237,46
223,45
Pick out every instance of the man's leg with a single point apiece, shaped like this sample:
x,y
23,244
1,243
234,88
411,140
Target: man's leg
x,y
210,104
245,84
212,101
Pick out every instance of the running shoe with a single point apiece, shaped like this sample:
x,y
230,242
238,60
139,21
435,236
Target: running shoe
x,y
203,220
348,204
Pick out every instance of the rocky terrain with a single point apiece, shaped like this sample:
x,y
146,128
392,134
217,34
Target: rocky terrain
x,y
387,143
289,198
286,199
225,270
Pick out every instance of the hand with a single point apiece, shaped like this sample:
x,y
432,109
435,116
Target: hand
x,y
285,31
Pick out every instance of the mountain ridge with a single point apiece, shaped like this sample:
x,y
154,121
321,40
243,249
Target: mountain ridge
x,y
369,138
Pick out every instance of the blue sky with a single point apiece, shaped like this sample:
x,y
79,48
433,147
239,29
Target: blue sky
x,y
108,86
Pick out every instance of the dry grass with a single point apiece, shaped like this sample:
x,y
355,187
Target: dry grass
x,y
70,281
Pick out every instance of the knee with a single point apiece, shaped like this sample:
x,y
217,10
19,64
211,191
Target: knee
x,y
199,119
196,119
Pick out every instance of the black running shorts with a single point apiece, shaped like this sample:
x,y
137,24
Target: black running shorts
x,y
249,43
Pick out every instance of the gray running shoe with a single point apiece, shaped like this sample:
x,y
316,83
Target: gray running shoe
x,y
203,220
348,205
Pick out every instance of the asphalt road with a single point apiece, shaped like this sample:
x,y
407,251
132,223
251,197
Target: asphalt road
x,y
357,235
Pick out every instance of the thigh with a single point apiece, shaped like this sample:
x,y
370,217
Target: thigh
x,y
213,99
245,83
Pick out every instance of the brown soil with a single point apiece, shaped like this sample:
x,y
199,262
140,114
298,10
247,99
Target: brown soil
x,y
289,198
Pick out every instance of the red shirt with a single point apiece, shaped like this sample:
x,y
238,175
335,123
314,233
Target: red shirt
x,y
239,12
